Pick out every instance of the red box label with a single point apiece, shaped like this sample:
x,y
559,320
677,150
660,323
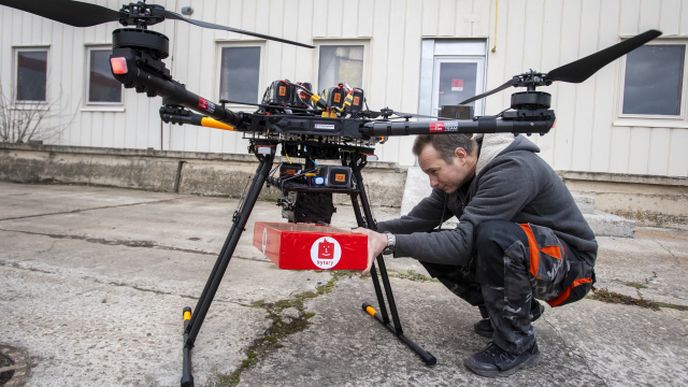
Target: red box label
x,y
301,246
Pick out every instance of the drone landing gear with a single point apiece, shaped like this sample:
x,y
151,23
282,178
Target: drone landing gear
x,y
266,154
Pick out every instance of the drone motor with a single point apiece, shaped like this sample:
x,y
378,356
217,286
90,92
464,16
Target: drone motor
x,y
151,42
530,100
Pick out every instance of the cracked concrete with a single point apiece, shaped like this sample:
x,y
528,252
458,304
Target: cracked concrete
x,y
94,281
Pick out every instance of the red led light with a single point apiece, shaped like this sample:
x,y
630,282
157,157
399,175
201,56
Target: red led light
x,y
119,65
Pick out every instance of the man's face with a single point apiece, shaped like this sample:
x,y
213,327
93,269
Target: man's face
x,y
448,177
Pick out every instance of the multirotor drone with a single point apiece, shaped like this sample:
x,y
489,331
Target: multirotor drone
x,y
335,124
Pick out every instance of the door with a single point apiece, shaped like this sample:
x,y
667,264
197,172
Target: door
x,y
455,80
451,71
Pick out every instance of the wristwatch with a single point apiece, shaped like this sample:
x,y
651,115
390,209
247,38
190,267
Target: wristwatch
x,y
391,244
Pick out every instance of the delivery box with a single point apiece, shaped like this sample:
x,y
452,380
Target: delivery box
x,y
303,246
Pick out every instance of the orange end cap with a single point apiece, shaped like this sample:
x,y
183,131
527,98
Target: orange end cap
x,y
119,65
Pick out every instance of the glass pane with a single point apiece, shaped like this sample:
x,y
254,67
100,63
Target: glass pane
x,y
102,86
32,69
239,74
654,77
457,83
340,64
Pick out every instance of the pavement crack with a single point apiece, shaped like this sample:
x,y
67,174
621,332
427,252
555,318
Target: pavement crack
x,y
16,265
288,316
572,352
142,289
128,243
87,209
676,259
411,275
610,297
159,292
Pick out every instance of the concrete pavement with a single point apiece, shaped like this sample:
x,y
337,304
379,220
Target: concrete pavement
x,y
93,281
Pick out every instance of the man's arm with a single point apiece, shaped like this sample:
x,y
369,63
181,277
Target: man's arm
x,y
502,193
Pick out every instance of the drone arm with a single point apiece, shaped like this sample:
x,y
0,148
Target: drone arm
x,y
178,115
128,71
478,125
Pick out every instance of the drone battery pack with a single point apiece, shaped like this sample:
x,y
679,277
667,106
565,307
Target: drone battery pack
x,y
338,177
280,93
289,169
305,246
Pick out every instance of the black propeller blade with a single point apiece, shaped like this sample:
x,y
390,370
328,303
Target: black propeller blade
x,y
174,15
582,69
80,14
73,13
507,84
577,71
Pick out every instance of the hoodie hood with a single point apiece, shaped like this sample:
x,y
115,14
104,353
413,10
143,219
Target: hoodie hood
x,y
493,144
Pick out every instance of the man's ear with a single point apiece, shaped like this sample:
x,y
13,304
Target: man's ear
x,y
460,153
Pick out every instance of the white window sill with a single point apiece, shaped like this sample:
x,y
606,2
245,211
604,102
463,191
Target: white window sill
x,y
18,105
240,107
111,109
650,123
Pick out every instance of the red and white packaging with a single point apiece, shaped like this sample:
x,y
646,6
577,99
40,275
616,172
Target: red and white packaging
x,y
303,246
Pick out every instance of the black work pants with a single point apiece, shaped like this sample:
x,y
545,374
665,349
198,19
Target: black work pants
x,y
513,264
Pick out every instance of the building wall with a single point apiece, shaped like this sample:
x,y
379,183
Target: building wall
x,y
520,34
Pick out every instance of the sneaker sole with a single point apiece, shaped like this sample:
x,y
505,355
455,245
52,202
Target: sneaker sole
x,y
492,374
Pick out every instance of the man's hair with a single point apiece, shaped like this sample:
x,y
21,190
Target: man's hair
x,y
444,144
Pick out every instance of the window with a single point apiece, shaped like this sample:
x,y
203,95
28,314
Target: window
x,y
239,74
340,64
31,76
103,88
654,80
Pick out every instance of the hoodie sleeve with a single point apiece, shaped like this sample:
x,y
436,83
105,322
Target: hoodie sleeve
x,y
425,216
502,192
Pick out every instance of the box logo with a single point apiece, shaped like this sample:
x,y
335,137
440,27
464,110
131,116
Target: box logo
x,y
326,252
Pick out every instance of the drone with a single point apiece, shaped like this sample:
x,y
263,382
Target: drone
x,y
335,124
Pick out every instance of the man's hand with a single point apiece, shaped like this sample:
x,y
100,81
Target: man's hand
x,y
376,243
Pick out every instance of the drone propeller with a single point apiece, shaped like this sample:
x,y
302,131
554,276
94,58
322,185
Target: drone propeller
x,y
173,15
577,71
73,13
80,14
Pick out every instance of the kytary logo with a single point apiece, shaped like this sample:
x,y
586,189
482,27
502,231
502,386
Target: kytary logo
x,y
326,252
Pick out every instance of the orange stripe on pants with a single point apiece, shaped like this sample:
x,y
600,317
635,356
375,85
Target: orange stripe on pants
x,y
533,247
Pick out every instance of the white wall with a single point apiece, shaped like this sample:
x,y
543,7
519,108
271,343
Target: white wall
x,y
525,34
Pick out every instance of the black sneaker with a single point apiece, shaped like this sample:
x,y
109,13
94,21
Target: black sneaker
x,y
494,361
484,327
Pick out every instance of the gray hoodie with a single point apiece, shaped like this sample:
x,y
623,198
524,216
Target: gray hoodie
x,y
515,185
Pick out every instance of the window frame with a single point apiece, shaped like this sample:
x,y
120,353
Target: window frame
x,y
654,120
98,105
341,42
221,44
15,80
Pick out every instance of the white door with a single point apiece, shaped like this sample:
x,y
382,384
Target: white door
x,y
455,79
452,70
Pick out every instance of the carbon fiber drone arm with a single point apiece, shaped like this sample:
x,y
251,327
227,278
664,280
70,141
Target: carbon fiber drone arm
x,y
541,124
135,71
